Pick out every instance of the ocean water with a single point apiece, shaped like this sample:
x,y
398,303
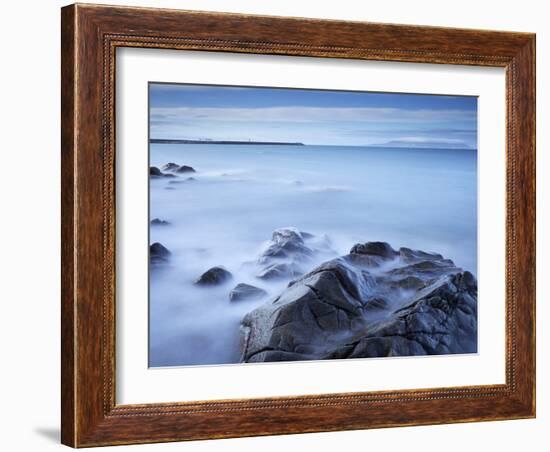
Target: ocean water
x,y
419,198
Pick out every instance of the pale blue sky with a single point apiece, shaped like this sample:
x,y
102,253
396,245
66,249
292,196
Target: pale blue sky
x,y
312,116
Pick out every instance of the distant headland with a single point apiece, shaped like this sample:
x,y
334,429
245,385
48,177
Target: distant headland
x,y
179,141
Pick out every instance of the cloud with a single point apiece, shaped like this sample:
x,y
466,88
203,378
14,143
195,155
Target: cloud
x,y
312,114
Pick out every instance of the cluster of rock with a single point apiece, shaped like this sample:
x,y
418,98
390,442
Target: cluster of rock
x,y
171,170
286,256
159,222
175,168
289,253
373,302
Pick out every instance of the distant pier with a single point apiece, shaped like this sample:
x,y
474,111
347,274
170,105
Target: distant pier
x,y
178,141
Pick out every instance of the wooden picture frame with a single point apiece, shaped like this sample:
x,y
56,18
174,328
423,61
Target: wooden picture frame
x,y
90,36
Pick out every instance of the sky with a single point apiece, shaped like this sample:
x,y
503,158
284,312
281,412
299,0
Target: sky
x,y
319,117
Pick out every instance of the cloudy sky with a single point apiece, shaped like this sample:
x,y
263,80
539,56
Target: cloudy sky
x,y
312,116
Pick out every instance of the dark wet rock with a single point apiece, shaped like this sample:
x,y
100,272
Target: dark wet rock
x,y
280,271
426,269
185,169
350,307
286,243
408,255
380,249
159,254
170,166
159,222
290,251
214,277
247,292
155,172
377,303
409,283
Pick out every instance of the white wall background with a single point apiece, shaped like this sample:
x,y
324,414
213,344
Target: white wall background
x,y
29,119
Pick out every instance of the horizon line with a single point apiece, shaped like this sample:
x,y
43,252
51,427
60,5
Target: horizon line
x,y
301,144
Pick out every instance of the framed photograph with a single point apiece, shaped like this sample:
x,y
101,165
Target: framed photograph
x,y
282,225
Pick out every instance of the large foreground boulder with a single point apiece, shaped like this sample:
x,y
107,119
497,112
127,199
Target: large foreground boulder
x,y
372,302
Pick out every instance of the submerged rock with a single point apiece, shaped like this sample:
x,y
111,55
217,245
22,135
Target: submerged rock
x,y
185,169
243,292
289,251
170,166
159,222
279,271
184,181
287,243
417,303
214,277
155,172
380,249
159,254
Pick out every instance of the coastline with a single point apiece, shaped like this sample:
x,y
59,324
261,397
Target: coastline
x,y
178,141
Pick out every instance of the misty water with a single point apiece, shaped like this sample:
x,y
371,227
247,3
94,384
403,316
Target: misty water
x,y
419,198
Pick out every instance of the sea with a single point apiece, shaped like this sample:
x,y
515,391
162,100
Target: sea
x,y
226,213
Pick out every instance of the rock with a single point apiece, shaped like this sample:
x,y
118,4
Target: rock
x,y
376,303
409,283
185,169
214,276
380,249
350,307
155,172
286,243
408,255
170,166
168,175
159,222
246,292
288,251
159,254
442,320
279,271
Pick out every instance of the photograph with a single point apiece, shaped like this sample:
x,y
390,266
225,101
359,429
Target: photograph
x,y
290,224
276,220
